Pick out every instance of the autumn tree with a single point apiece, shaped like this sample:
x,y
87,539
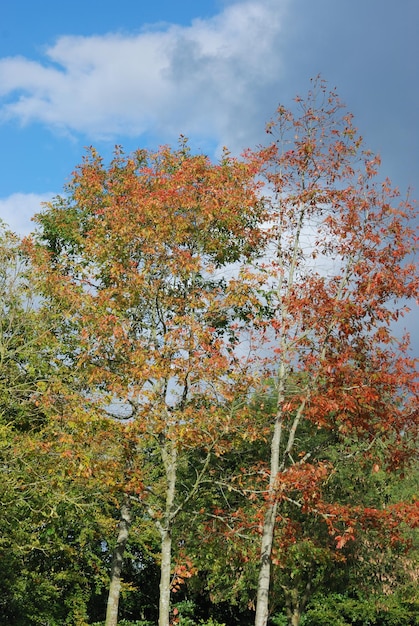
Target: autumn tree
x,y
134,258
338,269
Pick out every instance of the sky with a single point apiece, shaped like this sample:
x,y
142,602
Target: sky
x,y
76,73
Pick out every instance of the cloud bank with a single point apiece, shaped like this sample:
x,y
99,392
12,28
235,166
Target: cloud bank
x,y
18,209
211,78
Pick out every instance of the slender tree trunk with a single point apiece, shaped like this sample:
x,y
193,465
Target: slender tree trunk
x,y
296,603
268,531
116,567
295,617
169,456
165,578
262,603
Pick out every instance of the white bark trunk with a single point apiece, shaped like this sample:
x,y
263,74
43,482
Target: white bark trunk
x,y
165,579
116,567
262,602
169,456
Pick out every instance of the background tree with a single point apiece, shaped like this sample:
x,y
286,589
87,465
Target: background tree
x,y
22,373
24,366
35,543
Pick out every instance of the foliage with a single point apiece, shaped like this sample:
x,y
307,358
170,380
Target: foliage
x,y
338,267
343,610
124,622
202,403
24,341
132,258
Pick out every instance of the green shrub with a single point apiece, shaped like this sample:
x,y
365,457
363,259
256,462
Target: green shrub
x,y
342,610
126,622
183,621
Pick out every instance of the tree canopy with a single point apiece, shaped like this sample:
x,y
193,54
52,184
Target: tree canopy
x,y
205,411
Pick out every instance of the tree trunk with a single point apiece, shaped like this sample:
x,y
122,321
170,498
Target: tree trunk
x,y
295,618
169,456
268,531
296,602
165,578
262,602
116,567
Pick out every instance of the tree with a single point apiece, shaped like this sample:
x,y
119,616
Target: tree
x,y
22,373
339,263
24,366
49,558
133,259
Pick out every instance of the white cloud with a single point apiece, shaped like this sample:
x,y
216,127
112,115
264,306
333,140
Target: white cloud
x,y
18,209
210,78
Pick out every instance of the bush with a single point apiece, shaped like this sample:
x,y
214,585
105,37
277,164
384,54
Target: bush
x,y
183,621
341,610
126,622
185,611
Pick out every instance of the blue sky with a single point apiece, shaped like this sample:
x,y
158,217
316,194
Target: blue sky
x,y
75,73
